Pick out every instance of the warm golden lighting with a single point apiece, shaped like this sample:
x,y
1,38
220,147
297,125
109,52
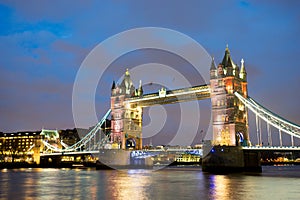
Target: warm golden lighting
x,y
130,185
220,187
139,109
241,107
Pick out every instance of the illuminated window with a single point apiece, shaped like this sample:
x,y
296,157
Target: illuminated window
x,y
223,118
220,83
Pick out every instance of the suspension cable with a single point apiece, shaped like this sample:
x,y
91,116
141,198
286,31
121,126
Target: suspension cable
x,y
280,138
257,129
269,117
87,138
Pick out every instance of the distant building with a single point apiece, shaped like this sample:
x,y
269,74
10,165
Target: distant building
x,y
26,146
19,146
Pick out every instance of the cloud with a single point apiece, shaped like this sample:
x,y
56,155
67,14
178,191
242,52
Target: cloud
x,y
42,44
77,53
33,10
31,105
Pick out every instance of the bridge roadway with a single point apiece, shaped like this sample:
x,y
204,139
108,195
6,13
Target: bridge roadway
x,y
172,96
134,153
273,148
155,151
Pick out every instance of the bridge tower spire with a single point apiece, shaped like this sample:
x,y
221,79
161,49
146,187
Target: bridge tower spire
x,y
229,115
126,119
213,69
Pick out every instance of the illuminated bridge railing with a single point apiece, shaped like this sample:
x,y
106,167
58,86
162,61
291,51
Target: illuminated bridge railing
x,y
154,152
172,96
273,148
84,141
270,117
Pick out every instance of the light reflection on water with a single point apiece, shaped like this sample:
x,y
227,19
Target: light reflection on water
x,y
273,183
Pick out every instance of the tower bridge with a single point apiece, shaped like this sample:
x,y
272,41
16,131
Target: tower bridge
x,y
229,115
230,102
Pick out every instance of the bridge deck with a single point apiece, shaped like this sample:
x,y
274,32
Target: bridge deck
x,y
273,148
172,96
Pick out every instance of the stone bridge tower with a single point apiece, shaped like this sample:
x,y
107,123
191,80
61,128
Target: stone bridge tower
x,y
126,118
229,115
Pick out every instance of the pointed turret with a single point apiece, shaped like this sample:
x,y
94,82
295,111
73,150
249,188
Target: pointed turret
x,y
213,69
227,62
226,56
113,85
127,85
213,66
140,90
113,88
243,73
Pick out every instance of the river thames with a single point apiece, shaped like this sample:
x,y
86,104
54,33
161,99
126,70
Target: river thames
x,y
275,182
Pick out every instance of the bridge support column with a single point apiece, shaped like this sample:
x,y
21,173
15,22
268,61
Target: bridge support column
x,y
229,114
280,138
132,127
231,159
292,140
257,130
269,135
229,119
260,135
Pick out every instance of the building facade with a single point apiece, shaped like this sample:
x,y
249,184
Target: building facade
x,y
126,119
26,146
229,115
20,146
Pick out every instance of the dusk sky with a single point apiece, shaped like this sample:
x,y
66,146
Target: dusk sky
x,y
43,44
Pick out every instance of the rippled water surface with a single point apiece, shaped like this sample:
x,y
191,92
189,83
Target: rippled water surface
x,y
280,182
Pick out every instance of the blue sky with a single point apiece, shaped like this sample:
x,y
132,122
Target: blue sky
x,y
43,43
